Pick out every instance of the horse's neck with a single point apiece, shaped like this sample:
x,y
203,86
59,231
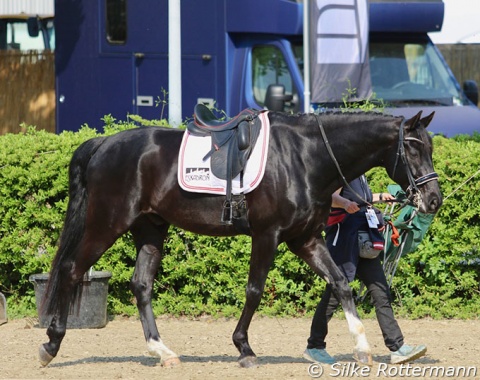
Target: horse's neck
x,y
360,145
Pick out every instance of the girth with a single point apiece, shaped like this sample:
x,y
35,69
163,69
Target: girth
x,y
232,143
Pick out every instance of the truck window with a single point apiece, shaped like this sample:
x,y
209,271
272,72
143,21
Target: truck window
x,y
14,35
269,67
411,71
116,23
297,49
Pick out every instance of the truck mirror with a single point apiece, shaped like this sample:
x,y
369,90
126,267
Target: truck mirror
x,y
33,27
275,98
470,89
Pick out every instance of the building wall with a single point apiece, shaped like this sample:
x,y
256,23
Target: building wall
x,y
22,103
13,7
463,59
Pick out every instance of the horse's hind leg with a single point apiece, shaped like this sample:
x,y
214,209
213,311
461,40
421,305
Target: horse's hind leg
x,y
316,254
65,278
263,251
149,239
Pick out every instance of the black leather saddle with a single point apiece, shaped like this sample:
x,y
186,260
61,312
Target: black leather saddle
x,y
232,143
232,140
207,121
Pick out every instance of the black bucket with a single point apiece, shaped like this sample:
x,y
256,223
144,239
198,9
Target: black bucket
x,y
90,312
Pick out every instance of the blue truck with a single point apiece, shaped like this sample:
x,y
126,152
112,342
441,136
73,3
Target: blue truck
x,y
112,58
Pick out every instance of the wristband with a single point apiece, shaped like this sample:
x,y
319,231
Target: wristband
x,y
380,197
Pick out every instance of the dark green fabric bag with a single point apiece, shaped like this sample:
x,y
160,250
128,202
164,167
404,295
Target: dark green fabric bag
x,y
412,227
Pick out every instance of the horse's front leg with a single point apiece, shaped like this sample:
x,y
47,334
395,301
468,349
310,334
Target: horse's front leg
x,y
149,243
317,256
263,251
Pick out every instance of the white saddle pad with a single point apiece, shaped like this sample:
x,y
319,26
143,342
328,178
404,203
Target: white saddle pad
x,y
194,174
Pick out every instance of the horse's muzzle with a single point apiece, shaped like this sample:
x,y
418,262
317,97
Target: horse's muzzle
x,y
431,198
427,195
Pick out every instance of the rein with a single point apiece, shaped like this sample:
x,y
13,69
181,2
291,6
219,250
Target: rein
x,y
413,193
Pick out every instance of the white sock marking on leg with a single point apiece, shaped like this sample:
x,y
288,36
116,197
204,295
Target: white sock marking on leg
x,y
158,349
358,332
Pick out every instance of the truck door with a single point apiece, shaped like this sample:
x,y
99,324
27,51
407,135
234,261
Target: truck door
x,y
150,90
150,87
143,41
134,56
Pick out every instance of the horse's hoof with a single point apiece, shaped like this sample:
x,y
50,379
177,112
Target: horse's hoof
x,y
364,358
44,356
171,362
248,361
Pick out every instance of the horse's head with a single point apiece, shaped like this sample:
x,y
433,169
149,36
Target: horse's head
x,y
413,166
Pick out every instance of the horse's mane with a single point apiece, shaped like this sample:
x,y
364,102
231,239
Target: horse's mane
x,y
347,112
340,115
356,112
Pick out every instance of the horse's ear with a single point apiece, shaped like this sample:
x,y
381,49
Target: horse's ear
x,y
427,119
411,124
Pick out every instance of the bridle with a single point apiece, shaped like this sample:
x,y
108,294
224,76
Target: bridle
x,y
412,191
413,194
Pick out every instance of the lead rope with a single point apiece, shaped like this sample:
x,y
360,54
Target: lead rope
x,y
462,184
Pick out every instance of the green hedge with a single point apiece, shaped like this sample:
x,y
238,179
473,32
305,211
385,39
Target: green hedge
x,y
202,274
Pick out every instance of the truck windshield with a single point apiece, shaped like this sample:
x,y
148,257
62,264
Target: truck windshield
x,y
406,70
411,71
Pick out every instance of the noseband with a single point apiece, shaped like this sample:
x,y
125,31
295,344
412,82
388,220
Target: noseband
x,y
412,191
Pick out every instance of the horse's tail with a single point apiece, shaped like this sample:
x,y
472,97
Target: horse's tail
x,y
74,224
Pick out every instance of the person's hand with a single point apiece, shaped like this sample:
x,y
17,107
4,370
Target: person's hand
x,y
350,206
383,197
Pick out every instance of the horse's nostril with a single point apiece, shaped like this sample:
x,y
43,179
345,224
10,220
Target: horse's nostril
x,y
435,204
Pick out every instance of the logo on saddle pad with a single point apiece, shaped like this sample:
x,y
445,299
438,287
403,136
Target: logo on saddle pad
x,y
197,174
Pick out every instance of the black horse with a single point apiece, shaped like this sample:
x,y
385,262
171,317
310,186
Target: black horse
x,y
128,182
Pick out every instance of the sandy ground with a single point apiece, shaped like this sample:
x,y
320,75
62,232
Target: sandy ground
x,y
118,351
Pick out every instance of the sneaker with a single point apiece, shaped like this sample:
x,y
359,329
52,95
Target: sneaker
x,y
407,353
318,355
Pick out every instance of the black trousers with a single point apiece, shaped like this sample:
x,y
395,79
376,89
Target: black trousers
x,y
370,272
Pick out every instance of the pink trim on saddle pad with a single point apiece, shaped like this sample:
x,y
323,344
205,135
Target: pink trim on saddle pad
x,y
194,174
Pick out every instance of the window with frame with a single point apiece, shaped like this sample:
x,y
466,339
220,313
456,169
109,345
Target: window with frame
x,y
116,21
269,67
14,35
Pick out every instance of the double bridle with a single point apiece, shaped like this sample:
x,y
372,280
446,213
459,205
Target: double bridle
x,y
412,191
